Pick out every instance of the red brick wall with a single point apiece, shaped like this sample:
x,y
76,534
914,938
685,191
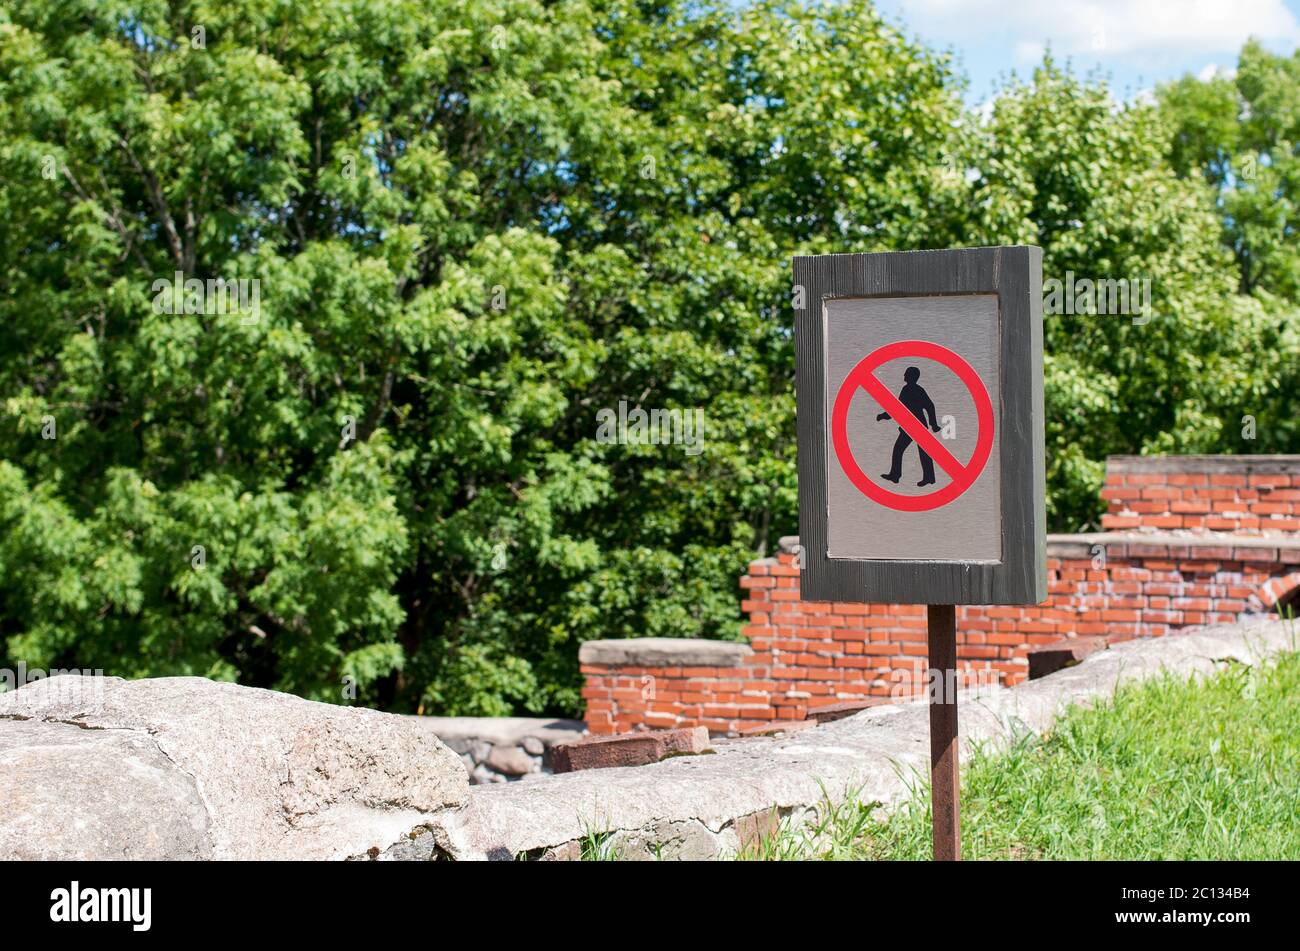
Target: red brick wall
x,y
1117,586
1247,494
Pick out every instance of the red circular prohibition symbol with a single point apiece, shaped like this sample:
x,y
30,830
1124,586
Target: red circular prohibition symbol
x,y
863,376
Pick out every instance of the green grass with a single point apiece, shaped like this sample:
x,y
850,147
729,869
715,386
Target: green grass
x,y
1167,769
599,847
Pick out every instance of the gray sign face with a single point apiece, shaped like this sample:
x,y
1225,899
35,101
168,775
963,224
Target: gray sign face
x,y
961,486
919,378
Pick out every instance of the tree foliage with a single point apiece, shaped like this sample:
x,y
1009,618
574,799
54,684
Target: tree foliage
x,y
1240,133
1061,165
475,224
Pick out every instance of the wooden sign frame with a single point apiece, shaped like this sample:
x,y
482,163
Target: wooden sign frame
x,y
1014,274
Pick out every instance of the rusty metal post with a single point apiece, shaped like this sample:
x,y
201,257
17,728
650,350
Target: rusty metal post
x,y
945,777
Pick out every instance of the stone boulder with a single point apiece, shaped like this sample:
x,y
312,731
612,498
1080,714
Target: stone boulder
x,y
183,767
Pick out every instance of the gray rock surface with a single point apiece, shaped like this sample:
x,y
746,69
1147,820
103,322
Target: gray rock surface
x,y
698,806
664,652
189,768
69,793
501,731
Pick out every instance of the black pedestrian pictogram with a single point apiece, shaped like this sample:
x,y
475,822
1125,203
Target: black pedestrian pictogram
x,y
918,402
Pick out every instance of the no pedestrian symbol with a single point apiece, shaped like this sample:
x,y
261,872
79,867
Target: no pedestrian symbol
x,y
961,475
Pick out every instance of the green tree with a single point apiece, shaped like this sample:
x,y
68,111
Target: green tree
x,y
1241,135
1059,163
475,225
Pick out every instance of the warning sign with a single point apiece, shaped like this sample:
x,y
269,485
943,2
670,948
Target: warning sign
x,y
914,411
919,388
919,381
912,469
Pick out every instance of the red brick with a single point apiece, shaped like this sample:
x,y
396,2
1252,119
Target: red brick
x,y
1160,492
1254,554
1270,508
632,749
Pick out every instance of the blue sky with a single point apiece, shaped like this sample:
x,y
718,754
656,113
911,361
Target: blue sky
x,y
1139,43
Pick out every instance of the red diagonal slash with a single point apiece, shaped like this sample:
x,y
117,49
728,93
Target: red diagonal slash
x,y
863,376
909,424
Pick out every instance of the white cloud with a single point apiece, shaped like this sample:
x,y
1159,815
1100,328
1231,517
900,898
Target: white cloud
x,y
1214,69
1127,30
1030,51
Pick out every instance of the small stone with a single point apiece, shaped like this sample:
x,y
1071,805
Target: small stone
x,y
689,740
534,746
510,760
